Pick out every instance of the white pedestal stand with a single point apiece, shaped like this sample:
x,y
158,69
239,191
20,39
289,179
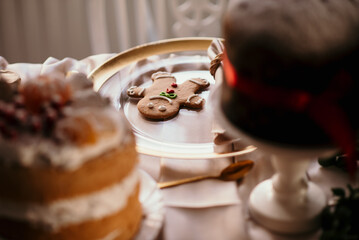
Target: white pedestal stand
x,y
288,202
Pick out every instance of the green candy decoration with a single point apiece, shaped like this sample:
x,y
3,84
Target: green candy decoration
x,y
168,95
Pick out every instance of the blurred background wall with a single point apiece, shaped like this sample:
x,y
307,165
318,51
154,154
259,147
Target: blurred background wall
x,y
33,30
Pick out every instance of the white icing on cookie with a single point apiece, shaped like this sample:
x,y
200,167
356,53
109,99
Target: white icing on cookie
x,y
142,90
158,75
198,102
164,76
200,83
162,108
190,97
150,105
161,97
131,90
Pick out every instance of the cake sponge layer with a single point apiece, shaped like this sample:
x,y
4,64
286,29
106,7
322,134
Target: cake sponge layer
x,y
45,185
122,225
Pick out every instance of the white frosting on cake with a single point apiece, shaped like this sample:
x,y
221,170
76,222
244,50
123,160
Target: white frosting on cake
x,y
67,156
113,235
75,210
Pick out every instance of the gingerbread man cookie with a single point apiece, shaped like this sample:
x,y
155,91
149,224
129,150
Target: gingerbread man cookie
x,y
165,97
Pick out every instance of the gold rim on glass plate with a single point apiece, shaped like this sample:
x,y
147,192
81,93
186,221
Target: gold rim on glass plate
x,y
105,71
116,63
193,156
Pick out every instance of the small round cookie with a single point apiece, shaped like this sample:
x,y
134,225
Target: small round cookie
x,y
164,97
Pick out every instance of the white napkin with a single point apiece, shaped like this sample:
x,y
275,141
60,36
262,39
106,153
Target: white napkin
x,y
53,66
215,223
206,193
202,194
3,63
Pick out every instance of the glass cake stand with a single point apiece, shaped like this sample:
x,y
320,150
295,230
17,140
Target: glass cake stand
x,y
188,135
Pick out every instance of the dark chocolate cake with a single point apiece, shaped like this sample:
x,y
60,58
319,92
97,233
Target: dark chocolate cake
x,y
296,67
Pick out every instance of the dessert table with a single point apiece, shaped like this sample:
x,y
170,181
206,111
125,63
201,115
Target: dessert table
x,y
208,209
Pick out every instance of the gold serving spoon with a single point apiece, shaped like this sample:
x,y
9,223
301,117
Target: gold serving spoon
x,y
232,172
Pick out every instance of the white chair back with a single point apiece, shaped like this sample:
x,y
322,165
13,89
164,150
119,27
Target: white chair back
x,y
32,30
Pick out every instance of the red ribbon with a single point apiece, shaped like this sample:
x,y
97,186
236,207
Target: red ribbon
x,y
322,108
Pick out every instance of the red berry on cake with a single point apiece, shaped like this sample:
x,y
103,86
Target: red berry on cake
x,y
43,90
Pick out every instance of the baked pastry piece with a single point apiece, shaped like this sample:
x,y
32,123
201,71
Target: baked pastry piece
x,y
291,72
67,163
164,98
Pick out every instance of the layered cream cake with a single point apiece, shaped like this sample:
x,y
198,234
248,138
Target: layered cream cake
x,y
67,162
